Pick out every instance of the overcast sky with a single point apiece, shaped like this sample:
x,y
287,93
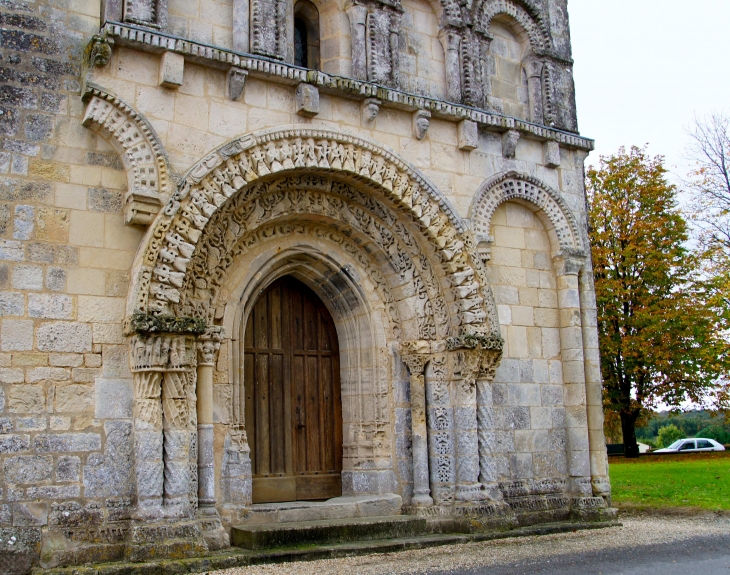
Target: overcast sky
x,y
645,68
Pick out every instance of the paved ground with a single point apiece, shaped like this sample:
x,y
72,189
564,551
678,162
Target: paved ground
x,y
644,545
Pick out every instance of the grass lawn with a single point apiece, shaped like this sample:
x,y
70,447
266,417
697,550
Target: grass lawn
x,y
687,480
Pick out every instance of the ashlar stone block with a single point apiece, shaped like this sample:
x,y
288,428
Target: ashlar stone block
x,y
307,100
17,335
64,337
172,68
23,469
468,134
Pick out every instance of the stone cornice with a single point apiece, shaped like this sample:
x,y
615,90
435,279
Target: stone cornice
x,y
149,40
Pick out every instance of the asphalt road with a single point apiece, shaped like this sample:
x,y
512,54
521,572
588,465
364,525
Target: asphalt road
x,y
704,555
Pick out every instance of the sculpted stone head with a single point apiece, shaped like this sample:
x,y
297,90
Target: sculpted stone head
x,y
370,108
420,123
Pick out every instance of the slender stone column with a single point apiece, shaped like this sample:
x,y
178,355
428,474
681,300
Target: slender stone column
x,y
207,349
419,436
213,532
358,34
451,41
533,68
465,428
489,360
567,269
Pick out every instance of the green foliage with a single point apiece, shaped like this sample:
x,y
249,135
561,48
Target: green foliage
x,y
672,481
716,432
660,338
691,423
668,435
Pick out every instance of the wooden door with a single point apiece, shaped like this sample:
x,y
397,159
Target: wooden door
x,y
292,394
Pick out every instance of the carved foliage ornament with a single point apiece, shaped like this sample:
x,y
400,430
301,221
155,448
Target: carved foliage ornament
x,y
238,164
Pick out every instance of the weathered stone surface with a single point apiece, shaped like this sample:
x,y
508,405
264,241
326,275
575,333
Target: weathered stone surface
x,y
19,550
113,398
12,303
26,399
172,67
16,335
67,442
28,468
74,398
14,443
24,222
111,475
103,200
64,337
68,468
50,306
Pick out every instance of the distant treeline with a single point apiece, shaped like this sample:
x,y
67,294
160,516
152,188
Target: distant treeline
x,y
691,423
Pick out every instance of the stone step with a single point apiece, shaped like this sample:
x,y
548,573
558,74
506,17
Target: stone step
x,y
330,531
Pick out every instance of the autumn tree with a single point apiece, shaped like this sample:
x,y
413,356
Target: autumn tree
x,y
660,339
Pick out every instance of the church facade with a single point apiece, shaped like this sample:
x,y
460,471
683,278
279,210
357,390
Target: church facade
x,y
267,259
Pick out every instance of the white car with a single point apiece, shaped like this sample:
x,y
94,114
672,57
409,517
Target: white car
x,y
692,446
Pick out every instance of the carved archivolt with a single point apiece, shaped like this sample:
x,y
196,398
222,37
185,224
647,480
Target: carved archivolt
x,y
526,15
515,186
148,172
443,258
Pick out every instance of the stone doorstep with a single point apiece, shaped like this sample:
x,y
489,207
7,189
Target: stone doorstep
x,y
346,507
244,558
324,532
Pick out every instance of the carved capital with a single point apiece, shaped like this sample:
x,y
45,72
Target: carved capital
x,y
488,363
165,352
209,344
416,363
568,263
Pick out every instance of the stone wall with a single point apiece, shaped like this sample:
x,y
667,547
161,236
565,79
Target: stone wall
x,y
103,138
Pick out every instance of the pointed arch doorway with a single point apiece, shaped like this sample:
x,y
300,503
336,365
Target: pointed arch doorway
x,y
292,395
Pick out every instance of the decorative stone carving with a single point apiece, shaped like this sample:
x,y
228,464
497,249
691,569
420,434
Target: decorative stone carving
x,y
416,363
269,28
421,119
307,100
148,173
236,82
213,181
515,186
370,108
509,143
151,13
100,50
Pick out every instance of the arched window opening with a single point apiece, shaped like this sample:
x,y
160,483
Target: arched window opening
x,y
306,35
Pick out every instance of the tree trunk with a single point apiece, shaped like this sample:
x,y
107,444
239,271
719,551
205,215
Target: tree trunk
x,y
628,428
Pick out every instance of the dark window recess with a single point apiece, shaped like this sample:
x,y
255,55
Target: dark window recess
x,y
301,47
306,35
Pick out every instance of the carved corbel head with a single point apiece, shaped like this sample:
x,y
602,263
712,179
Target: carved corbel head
x,y
370,108
100,50
421,120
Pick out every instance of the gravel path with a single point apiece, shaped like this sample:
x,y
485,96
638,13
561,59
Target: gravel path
x,y
637,532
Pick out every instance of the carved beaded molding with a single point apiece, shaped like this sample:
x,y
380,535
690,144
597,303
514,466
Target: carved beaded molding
x,y
149,178
225,173
516,186
530,19
275,70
